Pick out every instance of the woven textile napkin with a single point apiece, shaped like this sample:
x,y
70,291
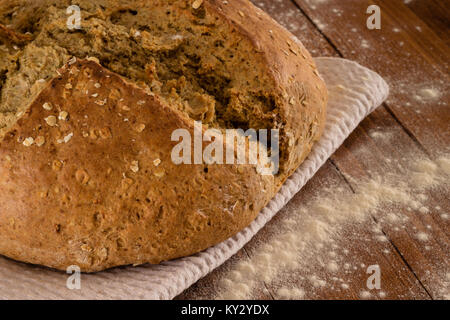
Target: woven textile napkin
x,y
354,91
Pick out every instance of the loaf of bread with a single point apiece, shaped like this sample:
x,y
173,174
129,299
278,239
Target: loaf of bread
x,y
87,114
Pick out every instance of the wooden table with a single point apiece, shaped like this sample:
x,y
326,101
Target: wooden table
x,y
411,51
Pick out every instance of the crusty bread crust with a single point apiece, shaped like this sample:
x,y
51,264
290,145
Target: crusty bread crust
x,y
86,176
99,189
303,96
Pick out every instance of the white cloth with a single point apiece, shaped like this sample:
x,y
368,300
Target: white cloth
x,y
354,92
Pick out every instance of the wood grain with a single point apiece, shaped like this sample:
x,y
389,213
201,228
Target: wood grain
x,y
428,262
353,250
411,53
412,61
364,156
435,13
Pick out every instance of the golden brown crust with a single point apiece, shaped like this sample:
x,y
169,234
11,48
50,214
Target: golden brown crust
x,y
86,176
98,189
303,94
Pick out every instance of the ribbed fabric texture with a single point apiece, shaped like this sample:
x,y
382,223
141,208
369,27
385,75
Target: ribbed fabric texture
x,y
354,92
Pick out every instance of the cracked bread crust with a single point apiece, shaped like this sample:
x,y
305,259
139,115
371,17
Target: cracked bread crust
x,y
81,185
302,93
89,181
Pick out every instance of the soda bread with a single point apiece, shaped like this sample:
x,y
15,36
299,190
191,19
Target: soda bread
x,y
86,117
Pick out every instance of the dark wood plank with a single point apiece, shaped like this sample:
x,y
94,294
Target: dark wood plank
x,y
331,266
288,15
435,13
284,13
398,280
423,238
413,61
429,43
394,147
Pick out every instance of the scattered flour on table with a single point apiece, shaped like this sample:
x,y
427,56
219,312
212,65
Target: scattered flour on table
x,y
382,135
365,295
288,15
291,293
309,235
428,94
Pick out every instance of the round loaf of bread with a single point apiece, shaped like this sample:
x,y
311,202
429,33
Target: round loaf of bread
x,y
90,96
